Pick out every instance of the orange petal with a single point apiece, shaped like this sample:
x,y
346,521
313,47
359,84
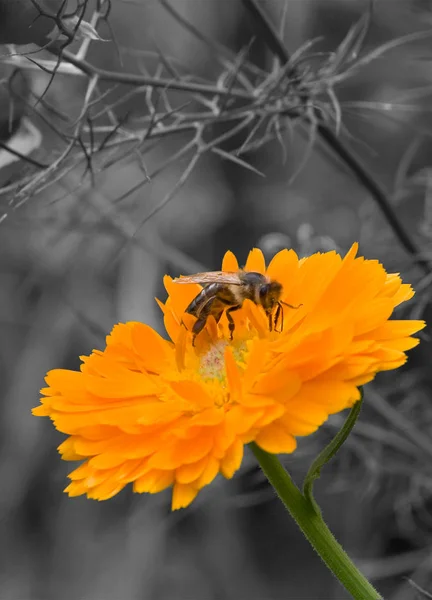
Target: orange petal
x,y
154,481
394,329
154,413
352,367
120,334
192,391
172,323
257,400
231,462
240,419
106,490
387,355
392,284
75,488
130,446
210,472
402,344
255,362
130,385
232,374
318,398
153,350
82,472
255,261
69,451
314,276
275,439
107,365
352,252
64,380
395,364
257,318
283,268
208,417
297,424
271,413
278,380
106,460
191,472
41,411
180,452
183,495
229,262
404,293
180,348
374,314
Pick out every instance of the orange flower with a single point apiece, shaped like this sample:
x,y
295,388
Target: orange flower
x,y
165,413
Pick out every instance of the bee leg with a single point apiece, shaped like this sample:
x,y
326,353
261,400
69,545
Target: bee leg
x,y
278,314
197,328
231,325
270,320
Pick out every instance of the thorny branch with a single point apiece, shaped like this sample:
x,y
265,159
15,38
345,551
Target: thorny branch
x,y
346,155
245,103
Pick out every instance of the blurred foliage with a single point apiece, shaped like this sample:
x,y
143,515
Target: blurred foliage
x,y
85,244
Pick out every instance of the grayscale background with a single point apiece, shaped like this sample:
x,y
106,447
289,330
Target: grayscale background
x,y
79,254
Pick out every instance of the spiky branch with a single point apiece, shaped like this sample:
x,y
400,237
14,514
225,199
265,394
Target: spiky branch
x,y
249,104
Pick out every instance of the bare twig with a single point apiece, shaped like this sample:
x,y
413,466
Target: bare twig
x,y
131,79
244,97
276,45
28,159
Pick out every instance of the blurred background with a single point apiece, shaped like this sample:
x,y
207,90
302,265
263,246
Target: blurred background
x,y
85,245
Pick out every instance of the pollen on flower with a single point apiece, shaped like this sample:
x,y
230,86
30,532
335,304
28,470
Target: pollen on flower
x,y
212,361
161,414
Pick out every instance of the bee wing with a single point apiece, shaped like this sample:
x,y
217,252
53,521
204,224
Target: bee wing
x,y
224,277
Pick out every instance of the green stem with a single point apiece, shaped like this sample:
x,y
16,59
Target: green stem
x,y
314,528
329,451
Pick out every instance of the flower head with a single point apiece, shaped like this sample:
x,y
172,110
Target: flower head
x,y
161,413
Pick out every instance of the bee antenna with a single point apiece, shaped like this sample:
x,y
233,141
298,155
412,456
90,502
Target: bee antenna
x,y
290,305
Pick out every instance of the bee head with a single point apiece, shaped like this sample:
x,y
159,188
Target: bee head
x,y
269,295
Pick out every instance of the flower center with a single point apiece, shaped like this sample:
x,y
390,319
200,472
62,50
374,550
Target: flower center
x,y
213,370
212,362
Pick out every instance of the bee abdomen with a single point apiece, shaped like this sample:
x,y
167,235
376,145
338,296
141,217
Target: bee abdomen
x,y
204,299
214,297
194,306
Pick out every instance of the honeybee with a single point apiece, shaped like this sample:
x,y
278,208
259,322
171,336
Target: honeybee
x,y
226,291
